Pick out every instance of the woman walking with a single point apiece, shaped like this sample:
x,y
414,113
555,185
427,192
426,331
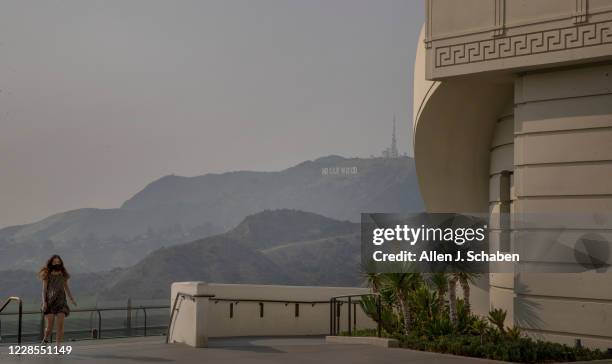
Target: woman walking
x,y
54,292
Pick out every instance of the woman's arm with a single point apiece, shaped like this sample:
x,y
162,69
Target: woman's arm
x,y
67,289
44,294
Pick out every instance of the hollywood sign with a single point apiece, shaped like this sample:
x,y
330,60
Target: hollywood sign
x,y
339,171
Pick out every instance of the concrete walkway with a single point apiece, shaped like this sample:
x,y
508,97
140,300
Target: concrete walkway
x,y
307,350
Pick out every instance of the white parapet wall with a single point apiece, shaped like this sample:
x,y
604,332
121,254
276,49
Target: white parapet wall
x,y
190,321
230,310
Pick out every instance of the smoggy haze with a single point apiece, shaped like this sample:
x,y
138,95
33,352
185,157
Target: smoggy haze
x,y
98,98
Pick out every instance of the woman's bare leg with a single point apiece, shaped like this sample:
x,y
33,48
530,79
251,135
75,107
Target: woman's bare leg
x,y
59,330
49,329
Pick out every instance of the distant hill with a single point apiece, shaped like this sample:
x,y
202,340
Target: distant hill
x,y
174,210
271,247
320,251
330,261
379,184
25,284
280,227
31,247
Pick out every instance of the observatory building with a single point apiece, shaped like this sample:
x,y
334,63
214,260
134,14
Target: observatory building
x,y
513,115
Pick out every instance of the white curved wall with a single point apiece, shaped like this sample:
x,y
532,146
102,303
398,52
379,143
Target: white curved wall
x,y
453,126
454,123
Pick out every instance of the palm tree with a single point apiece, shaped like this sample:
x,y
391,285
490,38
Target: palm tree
x,y
480,326
440,282
452,297
401,284
386,316
373,280
465,278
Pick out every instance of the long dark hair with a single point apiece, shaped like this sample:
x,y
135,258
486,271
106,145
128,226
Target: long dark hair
x,y
46,269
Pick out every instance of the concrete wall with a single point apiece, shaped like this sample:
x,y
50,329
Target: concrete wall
x,y
563,165
501,197
210,317
190,323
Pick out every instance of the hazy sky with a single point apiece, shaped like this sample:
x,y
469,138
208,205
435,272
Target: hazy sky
x,y
99,98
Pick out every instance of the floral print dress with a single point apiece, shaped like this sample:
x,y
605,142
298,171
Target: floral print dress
x,y
56,295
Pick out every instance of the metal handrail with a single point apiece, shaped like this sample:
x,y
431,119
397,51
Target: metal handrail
x,y
97,311
93,309
100,310
335,304
266,301
20,301
144,310
354,295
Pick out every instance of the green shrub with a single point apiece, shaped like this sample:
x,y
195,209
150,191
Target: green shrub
x,y
464,318
389,320
432,330
497,317
521,350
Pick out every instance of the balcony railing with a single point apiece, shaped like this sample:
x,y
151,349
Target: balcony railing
x,y
102,323
19,315
353,302
150,320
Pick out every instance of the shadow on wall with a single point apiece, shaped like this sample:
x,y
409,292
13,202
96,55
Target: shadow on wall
x,y
526,310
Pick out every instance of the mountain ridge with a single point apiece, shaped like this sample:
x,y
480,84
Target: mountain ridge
x,y
242,256
325,256
176,209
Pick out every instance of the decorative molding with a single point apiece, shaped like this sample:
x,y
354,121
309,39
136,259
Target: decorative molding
x,y
554,40
582,11
500,18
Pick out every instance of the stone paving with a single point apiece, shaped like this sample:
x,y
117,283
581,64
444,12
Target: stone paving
x,y
306,350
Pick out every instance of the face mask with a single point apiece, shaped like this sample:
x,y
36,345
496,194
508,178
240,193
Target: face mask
x,y
56,267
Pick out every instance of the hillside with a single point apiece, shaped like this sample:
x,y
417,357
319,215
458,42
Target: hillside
x,y
25,284
246,256
175,210
225,199
331,261
270,247
272,228
90,252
